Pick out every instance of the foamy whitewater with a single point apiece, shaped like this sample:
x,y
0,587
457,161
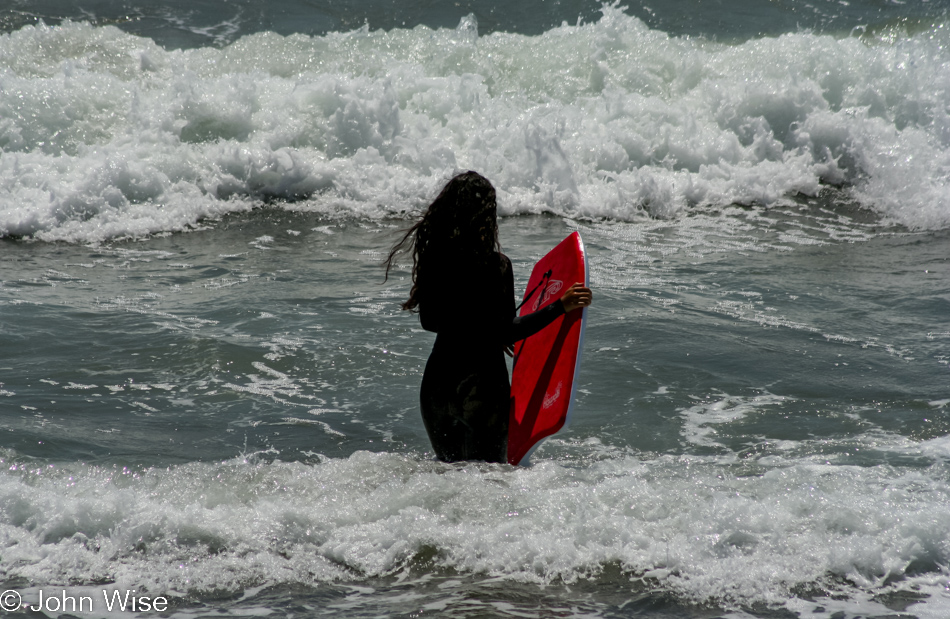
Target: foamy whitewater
x,y
208,396
106,135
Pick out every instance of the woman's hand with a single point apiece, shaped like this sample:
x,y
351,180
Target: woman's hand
x,y
576,297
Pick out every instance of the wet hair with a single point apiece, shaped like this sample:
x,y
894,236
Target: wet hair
x,y
460,227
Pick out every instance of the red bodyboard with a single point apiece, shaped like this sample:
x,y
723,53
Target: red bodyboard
x,y
546,364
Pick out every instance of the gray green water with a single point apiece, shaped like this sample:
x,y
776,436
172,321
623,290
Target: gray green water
x,y
799,306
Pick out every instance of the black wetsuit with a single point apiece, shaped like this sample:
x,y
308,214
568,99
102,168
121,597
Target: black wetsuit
x,y
465,390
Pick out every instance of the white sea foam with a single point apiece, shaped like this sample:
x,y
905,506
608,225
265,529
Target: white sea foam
x,y
707,528
700,420
104,134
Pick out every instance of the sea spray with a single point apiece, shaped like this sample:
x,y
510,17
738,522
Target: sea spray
x,y
106,134
709,528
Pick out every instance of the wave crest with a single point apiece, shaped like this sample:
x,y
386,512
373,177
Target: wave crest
x,y
105,134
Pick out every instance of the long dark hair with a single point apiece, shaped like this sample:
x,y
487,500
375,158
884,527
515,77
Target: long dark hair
x,y
460,225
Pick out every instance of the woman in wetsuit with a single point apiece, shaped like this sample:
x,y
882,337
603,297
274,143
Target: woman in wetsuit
x,y
463,289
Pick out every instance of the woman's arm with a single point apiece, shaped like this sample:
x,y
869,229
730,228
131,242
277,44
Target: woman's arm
x,y
453,309
576,297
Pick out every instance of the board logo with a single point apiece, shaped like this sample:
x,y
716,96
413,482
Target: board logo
x,y
552,288
550,399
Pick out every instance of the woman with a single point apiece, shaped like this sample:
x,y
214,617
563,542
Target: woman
x,y
456,258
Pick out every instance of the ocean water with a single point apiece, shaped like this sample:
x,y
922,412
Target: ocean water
x,y
209,397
